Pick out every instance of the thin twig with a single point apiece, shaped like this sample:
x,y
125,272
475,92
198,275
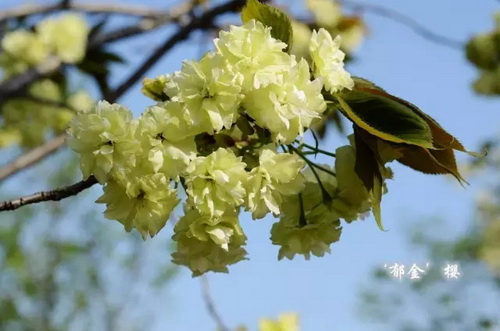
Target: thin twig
x,y
408,21
315,149
174,15
54,195
97,8
209,303
32,157
204,21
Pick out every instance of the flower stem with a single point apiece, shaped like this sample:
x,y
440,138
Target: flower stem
x,y
322,151
302,218
324,192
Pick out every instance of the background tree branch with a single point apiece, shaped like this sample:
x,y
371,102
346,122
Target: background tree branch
x,y
32,157
17,85
92,8
403,19
205,21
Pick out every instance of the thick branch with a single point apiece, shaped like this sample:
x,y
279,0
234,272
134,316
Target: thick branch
x,y
408,21
55,195
32,157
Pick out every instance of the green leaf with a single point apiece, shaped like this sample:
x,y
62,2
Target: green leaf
x,y
441,139
365,83
384,117
430,161
97,28
368,169
281,26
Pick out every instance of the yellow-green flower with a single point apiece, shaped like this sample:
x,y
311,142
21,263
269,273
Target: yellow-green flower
x,y
153,88
216,182
314,238
164,136
25,46
65,36
210,90
252,52
326,12
142,203
206,243
328,61
287,109
277,175
285,322
307,224
104,136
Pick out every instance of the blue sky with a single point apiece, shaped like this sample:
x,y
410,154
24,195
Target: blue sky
x,y
324,290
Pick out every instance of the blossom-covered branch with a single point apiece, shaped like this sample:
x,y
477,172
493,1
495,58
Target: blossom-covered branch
x,y
54,195
215,129
205,20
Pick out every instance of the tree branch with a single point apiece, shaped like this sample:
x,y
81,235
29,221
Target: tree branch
x,y
204,21
93,8
209,303
54,195
408,21
17,85
32,157
174,15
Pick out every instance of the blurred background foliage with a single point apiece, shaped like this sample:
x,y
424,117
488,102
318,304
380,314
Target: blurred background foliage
x,y
92,275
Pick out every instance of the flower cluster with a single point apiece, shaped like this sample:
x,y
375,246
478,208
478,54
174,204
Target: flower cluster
x,y
482,50
26,121
318,222
64,39
47,106
214,132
